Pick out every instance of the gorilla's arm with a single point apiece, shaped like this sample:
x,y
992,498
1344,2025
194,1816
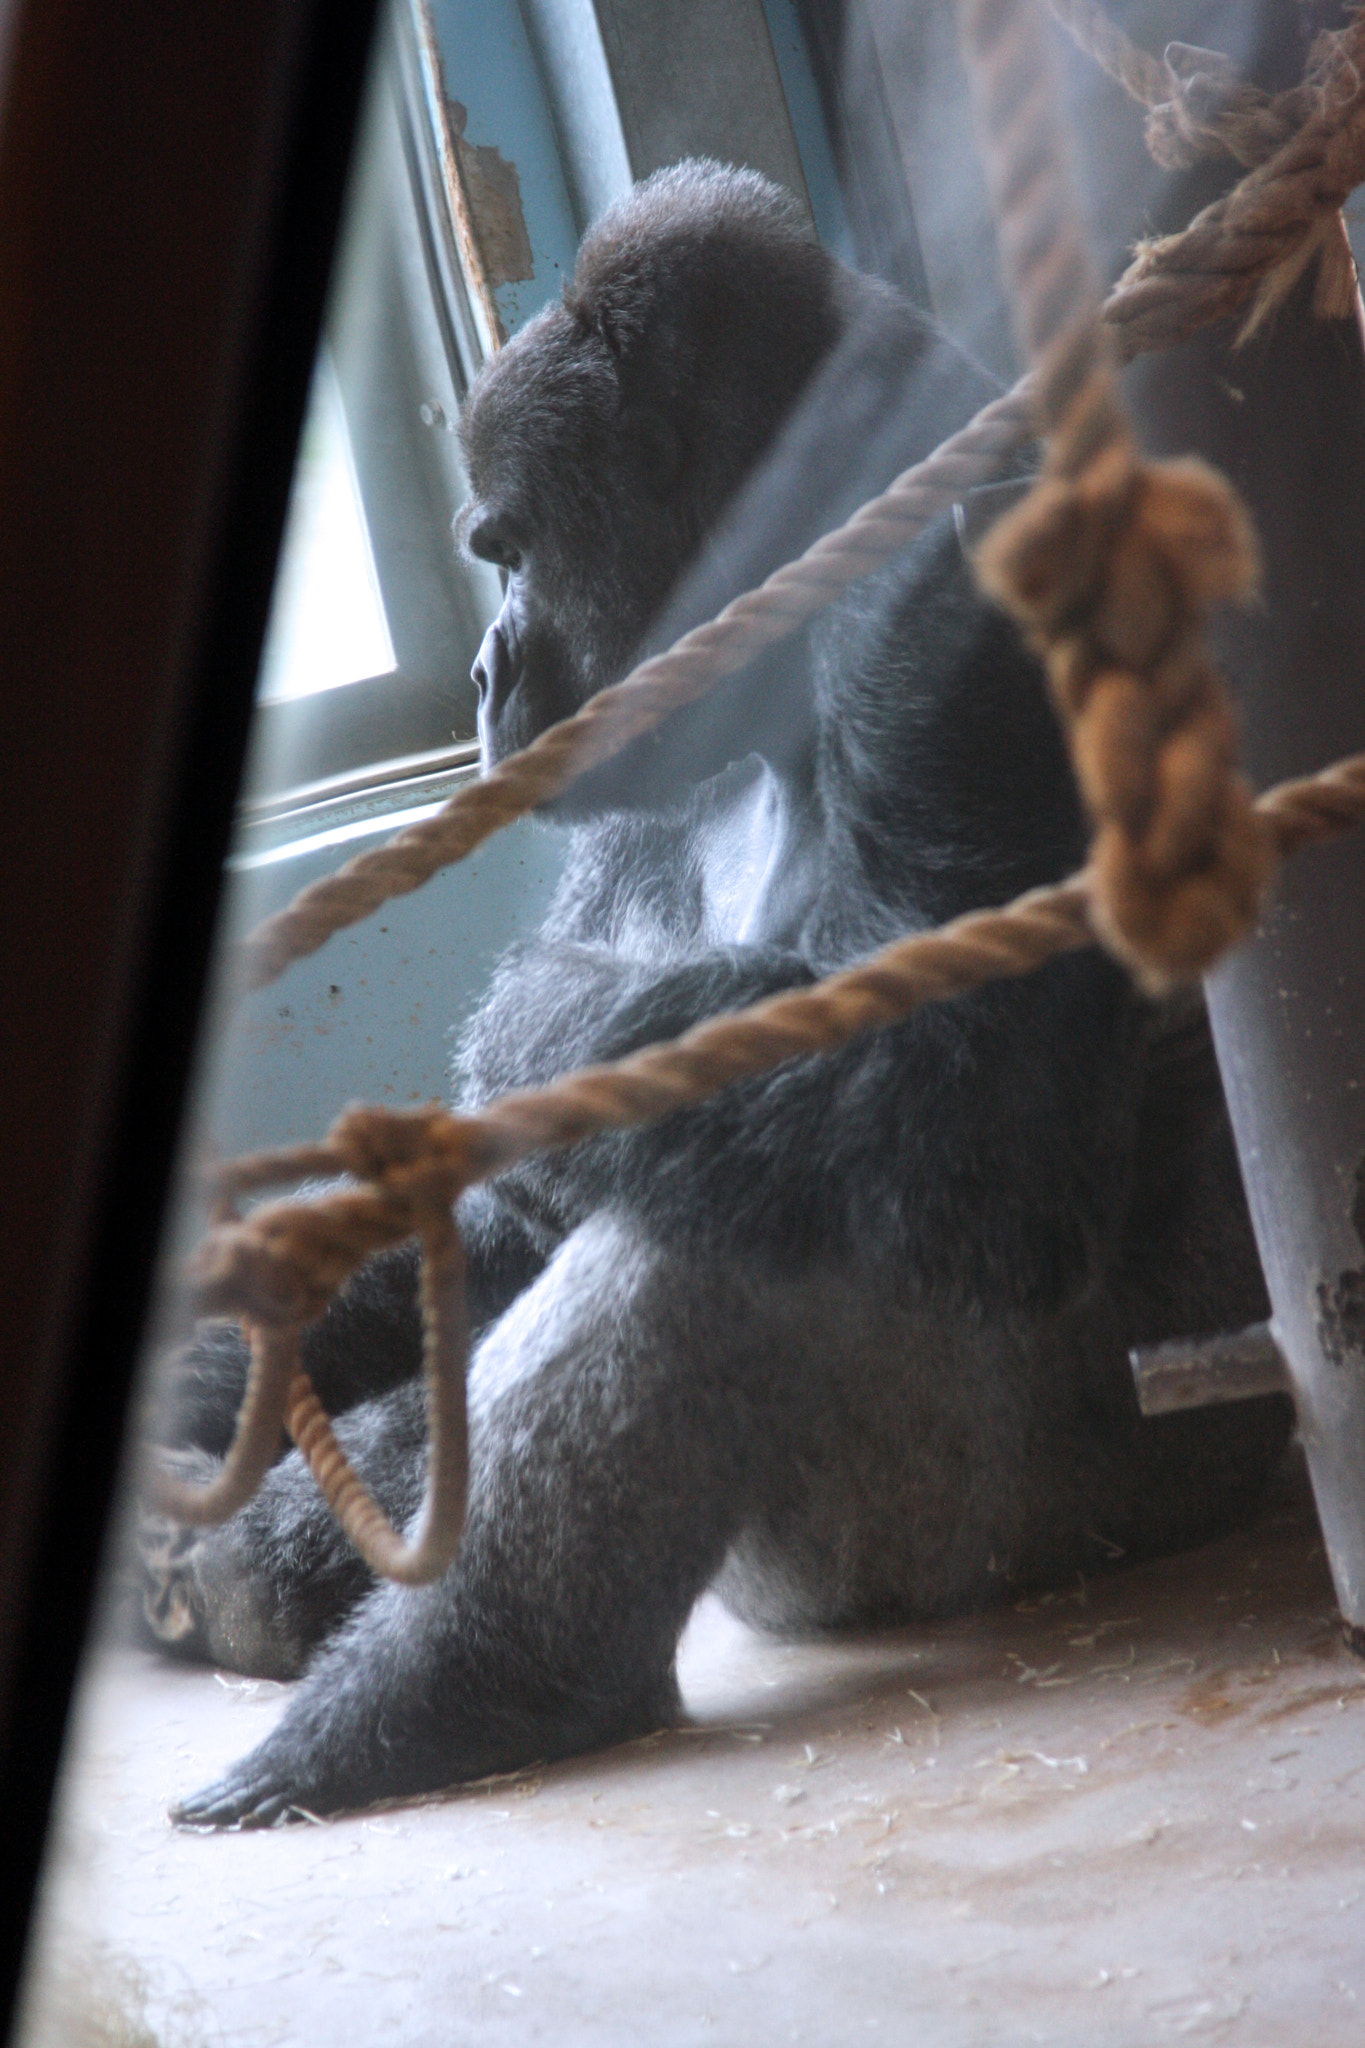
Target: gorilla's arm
x,y
557,1006
368,1342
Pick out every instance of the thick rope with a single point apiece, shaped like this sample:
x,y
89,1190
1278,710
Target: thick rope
x,y
436,1534
283,1262
279,1392
1314,807
1198,103
884,527
1110,564
1257,240
273,1362
1199,106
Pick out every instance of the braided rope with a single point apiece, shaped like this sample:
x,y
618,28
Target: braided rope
x,y
283,1262
279,1269
1198,103
331,1239
1110,564
1257,240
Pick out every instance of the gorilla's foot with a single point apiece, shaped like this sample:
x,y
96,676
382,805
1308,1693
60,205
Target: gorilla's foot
x,y
259,1791
223,1595
171,1606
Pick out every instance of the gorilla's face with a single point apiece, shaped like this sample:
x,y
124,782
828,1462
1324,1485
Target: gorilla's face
x,y
604,442
572,490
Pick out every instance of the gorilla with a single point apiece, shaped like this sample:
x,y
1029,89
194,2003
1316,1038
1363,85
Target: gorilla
x,y
848,1342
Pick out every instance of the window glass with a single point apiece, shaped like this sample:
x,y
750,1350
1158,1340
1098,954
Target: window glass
x,y
327,624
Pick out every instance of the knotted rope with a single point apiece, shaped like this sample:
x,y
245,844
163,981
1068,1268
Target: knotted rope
x,y
1110,564
280,1296
1255,242
1099,542
1199,106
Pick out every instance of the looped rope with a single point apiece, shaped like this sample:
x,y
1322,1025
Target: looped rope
x,y
273,1361
281,1264
445,1337
275,1272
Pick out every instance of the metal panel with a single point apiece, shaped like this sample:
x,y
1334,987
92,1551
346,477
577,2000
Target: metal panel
x,y
699,78
576,79
1284,417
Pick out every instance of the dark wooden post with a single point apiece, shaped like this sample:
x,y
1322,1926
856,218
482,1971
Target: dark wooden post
x,y
170,181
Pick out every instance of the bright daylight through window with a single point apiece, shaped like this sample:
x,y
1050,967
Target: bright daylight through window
x,y
327,624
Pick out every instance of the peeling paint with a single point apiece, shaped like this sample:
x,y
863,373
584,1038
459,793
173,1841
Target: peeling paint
x,y
493,190
456,192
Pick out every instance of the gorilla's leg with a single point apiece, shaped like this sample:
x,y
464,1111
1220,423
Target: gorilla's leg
x,y
606,1483
260,1593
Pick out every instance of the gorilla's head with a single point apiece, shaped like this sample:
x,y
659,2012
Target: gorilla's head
x,y
604,441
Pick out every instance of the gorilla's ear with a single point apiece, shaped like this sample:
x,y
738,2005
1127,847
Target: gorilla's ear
x,y
651,441
601,320
653,444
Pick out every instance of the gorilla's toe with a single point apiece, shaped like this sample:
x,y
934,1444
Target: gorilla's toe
x,y
255,1793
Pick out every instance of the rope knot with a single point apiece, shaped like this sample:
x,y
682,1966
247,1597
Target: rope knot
x,y
1211,111
395,1148
276,1268
1111,575
1124,560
